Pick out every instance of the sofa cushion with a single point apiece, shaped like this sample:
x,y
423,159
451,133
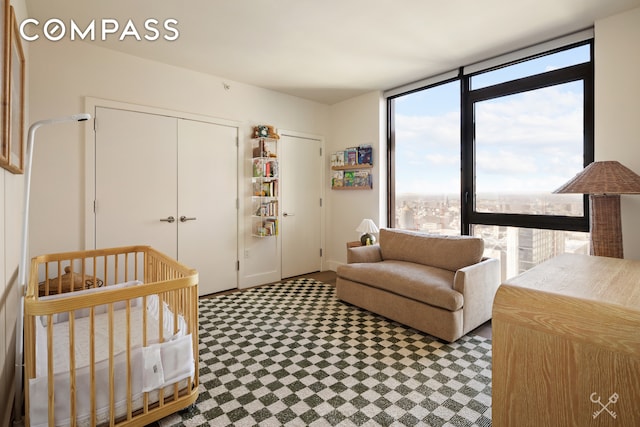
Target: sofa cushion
x,y
433,286
448,252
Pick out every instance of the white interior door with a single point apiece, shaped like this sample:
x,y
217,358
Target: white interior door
x,y
301,182
136,184
207,212
172,184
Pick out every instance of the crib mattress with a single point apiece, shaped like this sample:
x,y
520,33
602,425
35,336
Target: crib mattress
x,y
154,366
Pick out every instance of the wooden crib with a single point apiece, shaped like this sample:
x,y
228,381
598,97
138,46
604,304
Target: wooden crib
x,y
117,330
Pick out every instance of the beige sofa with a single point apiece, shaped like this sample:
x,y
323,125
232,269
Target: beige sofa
x,y
440,285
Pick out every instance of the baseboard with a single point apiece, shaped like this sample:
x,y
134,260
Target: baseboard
x,y
333,265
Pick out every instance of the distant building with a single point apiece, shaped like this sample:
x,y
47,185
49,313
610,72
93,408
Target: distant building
x,y
406,217
528,247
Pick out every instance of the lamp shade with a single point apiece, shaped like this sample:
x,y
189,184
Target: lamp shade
x,y
367,226
606,177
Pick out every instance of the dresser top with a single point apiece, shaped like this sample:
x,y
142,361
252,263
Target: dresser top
x,y
606,280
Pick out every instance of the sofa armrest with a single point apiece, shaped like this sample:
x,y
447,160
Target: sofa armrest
x,y
485,275
478,284
370,253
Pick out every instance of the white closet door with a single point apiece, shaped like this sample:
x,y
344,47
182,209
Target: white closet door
x,y
300,177
136,181
207,194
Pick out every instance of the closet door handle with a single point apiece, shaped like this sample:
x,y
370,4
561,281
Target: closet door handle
x,y
169,219
185,219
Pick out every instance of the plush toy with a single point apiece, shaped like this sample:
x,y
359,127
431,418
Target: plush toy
x,y
65,282
271,131
264,131
260,131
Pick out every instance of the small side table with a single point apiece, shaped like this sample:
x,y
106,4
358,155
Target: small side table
x,y
354,244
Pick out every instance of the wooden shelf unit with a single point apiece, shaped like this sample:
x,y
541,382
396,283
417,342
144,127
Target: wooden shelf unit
x,y
265,181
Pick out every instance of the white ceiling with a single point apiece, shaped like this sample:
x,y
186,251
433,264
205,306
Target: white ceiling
x,y
331,50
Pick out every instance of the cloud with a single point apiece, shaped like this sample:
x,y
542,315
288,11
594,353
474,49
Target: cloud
x,y
439,159
525,142
432,131
505,163
548,116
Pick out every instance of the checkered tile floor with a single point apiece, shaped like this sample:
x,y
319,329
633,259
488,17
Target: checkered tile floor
x,y
292,354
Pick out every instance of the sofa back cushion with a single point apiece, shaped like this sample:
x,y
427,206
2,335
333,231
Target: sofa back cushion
x,y
448,252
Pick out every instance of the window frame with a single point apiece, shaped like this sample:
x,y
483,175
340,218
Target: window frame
x,y
469,216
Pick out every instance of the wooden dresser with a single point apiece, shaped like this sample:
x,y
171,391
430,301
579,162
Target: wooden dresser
x,y
566,344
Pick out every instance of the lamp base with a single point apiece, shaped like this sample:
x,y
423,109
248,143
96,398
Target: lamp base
x,y
606,226
367,239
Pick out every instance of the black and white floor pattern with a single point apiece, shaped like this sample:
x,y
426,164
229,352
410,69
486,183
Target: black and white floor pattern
x,y
292,354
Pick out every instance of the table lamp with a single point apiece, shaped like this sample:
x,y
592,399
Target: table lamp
x,y
604,182
368,228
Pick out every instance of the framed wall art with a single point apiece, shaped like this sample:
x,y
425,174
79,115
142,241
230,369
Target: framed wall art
x,y
4,82
16,98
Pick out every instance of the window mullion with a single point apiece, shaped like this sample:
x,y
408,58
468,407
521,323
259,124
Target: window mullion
x,y
467,157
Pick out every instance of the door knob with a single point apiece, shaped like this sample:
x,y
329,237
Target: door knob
x,y
288,214
185,219
169,219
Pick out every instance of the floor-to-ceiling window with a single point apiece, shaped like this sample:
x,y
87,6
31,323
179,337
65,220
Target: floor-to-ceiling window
x,y
481,154
427,160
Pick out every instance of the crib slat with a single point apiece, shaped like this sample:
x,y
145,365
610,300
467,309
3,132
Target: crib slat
x,y
59,277
126,267
129,373
50,370
116,262
92,363
107,279
161,338
71,277
46,280
95,270
145,397
112,397
83,272
72,369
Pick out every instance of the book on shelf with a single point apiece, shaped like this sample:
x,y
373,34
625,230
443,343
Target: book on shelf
x,y
264,168
339,158
265,189
337,179
349,178
268,227
351,156
269,208
362,178
365,154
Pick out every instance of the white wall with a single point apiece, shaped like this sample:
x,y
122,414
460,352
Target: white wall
x,y
356,121
617,108
11,189
64,73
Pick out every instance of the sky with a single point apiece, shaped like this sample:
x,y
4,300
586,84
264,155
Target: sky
x,y
528,142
